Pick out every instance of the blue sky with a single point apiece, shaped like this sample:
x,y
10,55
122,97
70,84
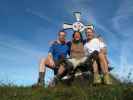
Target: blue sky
x,y
27,27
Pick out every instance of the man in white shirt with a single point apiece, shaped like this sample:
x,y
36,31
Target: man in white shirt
x,y
95,44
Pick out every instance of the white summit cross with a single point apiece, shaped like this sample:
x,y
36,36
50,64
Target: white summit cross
x,y
78,25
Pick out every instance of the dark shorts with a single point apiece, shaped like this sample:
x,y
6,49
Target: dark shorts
x,y
57,65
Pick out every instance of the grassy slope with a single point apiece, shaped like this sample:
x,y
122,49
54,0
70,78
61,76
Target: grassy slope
x,y
79,90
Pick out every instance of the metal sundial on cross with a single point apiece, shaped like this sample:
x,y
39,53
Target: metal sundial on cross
x,y
78,25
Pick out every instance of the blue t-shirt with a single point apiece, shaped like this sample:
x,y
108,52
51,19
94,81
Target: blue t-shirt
x,y
59,51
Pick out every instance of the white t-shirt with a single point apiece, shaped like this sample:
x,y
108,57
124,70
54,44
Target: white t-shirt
x,y
94,44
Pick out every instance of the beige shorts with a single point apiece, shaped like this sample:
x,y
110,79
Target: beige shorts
x,y
76,62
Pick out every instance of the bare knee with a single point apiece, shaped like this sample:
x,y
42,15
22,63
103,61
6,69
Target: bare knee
x,y
101,56
42,65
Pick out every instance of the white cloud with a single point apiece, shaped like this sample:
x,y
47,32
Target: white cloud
x,y
17,48
122,23
38,14
123,13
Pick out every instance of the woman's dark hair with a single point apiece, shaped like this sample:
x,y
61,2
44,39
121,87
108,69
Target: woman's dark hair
x,y
81,37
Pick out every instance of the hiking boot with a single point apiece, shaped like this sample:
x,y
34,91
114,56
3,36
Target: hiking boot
x,y
97,79
41,79
107,79
40,82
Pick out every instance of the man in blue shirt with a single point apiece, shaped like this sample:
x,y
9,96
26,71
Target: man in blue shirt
x,y
57,52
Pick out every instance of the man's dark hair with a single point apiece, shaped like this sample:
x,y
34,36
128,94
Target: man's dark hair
x,y
61,31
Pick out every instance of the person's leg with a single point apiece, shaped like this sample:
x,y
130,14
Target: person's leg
x,y
58,76
104,67
41,72
61,71
92,62
95,67
65,67
103,63
42,69
96,76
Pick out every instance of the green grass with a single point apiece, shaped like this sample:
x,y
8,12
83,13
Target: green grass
x,y
79,90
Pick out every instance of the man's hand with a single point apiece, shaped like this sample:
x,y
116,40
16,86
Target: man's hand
x,y
51,61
